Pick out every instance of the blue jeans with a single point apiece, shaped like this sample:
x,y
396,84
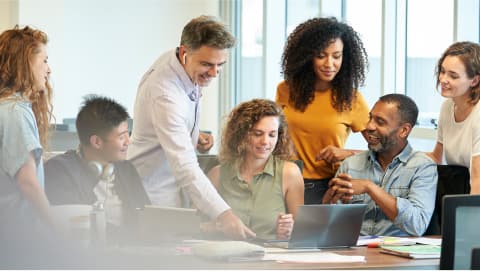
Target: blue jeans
x,y
314,190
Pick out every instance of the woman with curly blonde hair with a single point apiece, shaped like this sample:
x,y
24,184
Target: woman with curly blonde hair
x,y
323,64
255,177
25,113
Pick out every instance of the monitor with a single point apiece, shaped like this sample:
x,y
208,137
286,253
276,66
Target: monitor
x,y
460,217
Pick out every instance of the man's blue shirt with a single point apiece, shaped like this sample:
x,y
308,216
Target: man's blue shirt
x,y
411,177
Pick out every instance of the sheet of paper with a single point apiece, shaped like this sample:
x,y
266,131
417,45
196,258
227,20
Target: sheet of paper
x,y
366,240
428,241
312,257
385,240
286,250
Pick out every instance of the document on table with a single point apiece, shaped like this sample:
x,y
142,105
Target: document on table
x,y
312,257
428,241
385,240
269,250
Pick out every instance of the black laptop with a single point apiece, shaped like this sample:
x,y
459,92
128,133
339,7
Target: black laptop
x,y
325,226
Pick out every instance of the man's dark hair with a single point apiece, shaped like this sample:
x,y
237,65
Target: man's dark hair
x,y
407,109
98,116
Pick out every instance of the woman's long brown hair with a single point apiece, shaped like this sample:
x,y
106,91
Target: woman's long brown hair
x,y
17,49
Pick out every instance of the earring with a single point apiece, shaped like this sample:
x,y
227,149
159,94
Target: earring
x,y
184,58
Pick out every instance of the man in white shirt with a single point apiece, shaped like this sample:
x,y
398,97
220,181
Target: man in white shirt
x,y
165,131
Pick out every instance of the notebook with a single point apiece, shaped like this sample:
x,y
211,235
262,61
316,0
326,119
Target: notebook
x,y
413,251
325,226
157,223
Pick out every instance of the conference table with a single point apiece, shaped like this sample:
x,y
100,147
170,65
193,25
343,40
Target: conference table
x,y
178,256
170,258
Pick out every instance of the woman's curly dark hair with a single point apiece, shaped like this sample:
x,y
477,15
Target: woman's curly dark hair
x,y
239,125
305,43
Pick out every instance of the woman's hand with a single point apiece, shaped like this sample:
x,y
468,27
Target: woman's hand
x,y
284,226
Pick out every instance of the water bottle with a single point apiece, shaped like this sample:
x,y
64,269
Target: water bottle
x,y
113,210
98,224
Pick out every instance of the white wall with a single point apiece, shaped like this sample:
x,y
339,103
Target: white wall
x,y
8,14
105,46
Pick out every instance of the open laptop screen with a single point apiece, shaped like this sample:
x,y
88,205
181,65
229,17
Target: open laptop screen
x,y
328,225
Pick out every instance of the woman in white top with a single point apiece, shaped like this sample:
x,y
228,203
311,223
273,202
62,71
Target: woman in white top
x,y
458,140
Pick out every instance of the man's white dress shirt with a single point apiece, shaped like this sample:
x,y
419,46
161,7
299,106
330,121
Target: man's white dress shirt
x,y
164,138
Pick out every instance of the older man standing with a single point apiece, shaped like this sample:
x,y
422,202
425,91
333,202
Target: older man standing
x,y
165,131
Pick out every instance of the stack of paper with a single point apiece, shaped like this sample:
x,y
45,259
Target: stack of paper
x,y
312,257
414,251
228,250
385,240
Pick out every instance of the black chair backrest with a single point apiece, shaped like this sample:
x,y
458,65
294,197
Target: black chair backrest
x,y
207,162
299,163
451,180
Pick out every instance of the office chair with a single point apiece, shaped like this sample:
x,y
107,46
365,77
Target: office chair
x,y
452,180
207,162
299,163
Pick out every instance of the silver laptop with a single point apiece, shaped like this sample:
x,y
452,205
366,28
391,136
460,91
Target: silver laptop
x,y
325,226
157,223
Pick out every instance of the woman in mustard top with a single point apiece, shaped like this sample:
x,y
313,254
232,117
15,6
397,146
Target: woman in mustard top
x,y
324,62
255,177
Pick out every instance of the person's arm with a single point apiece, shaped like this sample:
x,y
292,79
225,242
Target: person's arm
x,y
437,153
339,187
170,115
293,187
214,176
475,176
411,214
293,190
332,154
284,226
32,191
415,210
359,116
384,200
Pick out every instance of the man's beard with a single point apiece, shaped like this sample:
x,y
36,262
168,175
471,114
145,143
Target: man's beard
x,y
385,144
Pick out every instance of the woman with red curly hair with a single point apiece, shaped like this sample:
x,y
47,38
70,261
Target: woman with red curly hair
x,y
25,113
255,177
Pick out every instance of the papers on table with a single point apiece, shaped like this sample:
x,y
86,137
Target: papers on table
x,y
384,240
228,250
428,241
312,257
396,241
269,250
